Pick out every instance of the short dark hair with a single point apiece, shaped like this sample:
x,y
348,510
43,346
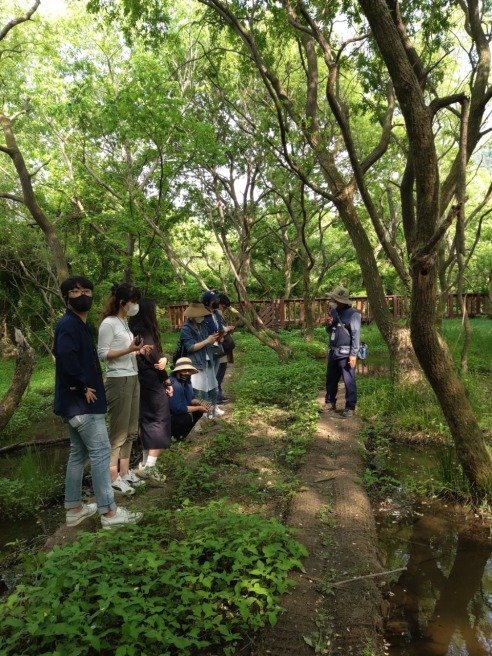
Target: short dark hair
x,y
224,300
73,282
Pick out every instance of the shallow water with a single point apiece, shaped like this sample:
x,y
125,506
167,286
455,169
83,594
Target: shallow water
x,y
441,605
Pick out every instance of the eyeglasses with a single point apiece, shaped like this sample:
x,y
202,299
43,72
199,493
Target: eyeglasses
x,y
78,292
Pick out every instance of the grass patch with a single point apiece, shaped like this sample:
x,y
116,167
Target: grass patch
x,y
414,409
29,491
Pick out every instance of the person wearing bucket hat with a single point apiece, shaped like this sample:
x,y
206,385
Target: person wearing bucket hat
x,y
197,344
343,328
186,410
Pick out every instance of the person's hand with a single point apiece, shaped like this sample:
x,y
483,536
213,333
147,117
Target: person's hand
x,y
352,361
195,402
230,329
136,345
161,365
90,395
169,391
211,339
202,408
145,349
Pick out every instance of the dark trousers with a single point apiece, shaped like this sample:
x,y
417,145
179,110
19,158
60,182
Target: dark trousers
x,y
220,377
334,371
182,424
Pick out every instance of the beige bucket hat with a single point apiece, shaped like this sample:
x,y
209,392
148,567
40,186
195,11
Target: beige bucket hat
x,y
184,364
195,310
341,295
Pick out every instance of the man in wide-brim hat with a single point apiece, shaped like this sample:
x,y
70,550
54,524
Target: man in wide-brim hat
x,y
343,327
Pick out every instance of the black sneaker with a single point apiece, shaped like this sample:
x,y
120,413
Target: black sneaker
x,y
347,413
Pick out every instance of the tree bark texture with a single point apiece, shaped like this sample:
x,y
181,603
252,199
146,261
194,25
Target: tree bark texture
x,y
24,366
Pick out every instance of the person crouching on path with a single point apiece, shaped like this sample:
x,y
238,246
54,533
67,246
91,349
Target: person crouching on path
x,y
343,328
81,401
198,346
185,409
118,346
154,416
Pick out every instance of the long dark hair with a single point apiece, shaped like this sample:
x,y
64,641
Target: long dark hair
x,y
146,321
120,294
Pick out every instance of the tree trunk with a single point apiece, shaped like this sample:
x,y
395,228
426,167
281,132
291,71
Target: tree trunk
x,y
30,201
22,375
308,305
404,366
435,359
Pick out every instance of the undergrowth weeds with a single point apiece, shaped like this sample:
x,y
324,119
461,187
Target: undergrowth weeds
x,y
182,583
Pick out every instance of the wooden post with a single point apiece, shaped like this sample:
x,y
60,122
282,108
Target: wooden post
x,y
281,312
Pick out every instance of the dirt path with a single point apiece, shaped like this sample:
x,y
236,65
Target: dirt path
x,y
334,518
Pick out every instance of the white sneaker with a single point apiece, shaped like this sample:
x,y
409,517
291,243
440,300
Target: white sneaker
x,y
218,411
132,479
151,475
122,516
122,487
75,518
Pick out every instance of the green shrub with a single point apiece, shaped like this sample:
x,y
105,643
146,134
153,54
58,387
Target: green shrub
x,y
188,581
28,491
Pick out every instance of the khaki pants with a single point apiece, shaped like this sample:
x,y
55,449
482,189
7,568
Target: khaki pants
x,y
123,397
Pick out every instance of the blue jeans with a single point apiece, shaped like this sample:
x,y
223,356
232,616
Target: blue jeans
x,y
89,440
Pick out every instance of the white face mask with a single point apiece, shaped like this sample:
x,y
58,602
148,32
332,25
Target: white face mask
x,y
132,309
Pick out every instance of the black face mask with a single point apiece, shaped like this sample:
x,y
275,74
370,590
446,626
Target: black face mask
x,y
82,303
215,305
184,377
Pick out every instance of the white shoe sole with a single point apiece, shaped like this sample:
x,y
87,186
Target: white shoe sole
x,y
79,520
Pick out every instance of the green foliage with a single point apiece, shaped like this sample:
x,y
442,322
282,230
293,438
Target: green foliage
x,y
445,479
264,382
37,402
195,580
28,491
413,407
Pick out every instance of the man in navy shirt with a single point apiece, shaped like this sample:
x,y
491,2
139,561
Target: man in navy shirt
x,y
80,399
343,328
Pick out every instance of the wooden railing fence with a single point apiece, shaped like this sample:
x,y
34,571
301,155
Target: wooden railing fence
x,y
285,313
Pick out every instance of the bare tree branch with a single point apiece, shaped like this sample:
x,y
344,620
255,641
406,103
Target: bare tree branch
x,y
17,21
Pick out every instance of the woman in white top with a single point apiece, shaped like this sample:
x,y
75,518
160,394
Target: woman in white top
x,y
118,347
